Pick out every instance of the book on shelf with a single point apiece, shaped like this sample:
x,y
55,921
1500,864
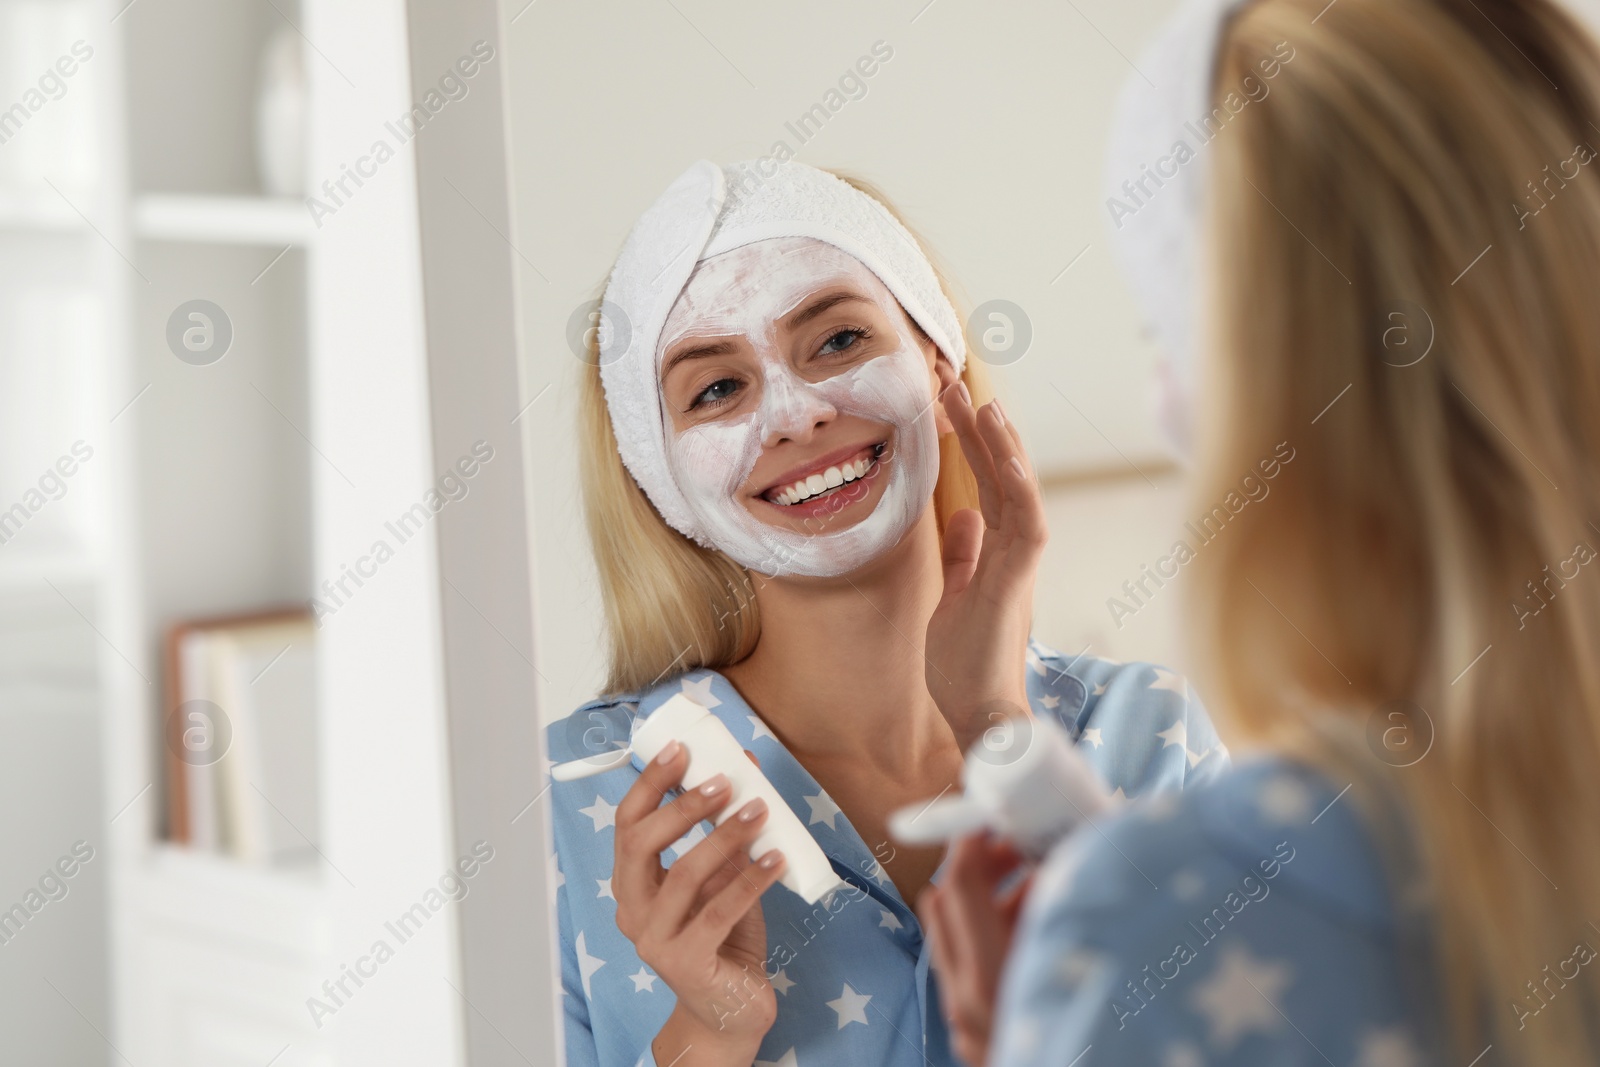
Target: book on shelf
x,y
240,737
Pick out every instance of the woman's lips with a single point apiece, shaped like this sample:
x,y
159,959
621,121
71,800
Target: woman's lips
x,y
826,478
831,502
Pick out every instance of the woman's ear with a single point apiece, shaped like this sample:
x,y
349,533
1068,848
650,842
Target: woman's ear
x,y
944,376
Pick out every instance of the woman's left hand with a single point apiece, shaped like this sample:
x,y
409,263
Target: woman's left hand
x,y
978,635
969,932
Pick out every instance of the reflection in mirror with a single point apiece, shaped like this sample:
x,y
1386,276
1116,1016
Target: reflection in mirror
x,y
985,133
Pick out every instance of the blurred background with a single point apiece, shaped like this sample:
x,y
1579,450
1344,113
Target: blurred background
x,y
292,564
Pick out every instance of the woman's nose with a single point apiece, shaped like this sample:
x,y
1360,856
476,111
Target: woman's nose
x,y
792,408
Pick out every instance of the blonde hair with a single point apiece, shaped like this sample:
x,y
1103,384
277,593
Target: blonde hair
x,y
671,605
1421,543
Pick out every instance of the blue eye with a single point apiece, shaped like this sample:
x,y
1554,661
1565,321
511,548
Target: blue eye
x,y
842,341
716,394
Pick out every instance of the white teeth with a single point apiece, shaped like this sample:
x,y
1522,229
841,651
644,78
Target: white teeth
x,y
819,483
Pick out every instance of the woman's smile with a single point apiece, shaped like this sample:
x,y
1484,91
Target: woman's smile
x,y
827,485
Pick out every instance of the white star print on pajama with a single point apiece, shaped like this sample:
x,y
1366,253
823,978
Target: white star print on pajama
x,y
1187,884
1178,734
851,1006
1286,801
1389,1047
1251,924
602,812
699,691
587,964
1172,682
851,976
1239,996
1183,1054
823,810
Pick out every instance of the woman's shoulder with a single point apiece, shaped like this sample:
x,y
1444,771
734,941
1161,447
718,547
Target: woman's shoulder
x,y
1140,724
606,724
607,721
1082,684
1148,934
1263,810
600,723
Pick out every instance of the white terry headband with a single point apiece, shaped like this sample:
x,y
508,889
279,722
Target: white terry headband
x,y
1157,216
708,211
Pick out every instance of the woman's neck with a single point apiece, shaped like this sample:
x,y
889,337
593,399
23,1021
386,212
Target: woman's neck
x,y
839,665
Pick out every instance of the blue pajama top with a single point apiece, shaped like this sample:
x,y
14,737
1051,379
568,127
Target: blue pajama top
x,y
852,978
1249,921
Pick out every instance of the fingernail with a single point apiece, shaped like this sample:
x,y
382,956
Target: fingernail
x,y
751,811
999,412
1015,466
770,860
669,752
965,395
715,786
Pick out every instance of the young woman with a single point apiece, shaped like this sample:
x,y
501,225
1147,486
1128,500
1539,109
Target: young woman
x,y
1405,242
802,522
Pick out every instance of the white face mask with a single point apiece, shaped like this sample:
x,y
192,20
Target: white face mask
x,y
744,293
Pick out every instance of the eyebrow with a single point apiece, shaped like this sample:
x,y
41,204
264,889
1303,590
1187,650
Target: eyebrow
x,y
822,304
710,348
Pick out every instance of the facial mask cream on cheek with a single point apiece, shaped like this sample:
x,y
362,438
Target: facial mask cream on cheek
x,y
711,462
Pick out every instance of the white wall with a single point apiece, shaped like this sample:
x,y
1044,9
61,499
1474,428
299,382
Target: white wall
x,y
986,128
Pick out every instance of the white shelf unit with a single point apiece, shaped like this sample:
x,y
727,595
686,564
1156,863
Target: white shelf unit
x,y
212,960
237,220
46,213
242,485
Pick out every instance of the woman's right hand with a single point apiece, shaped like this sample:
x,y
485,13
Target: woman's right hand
x,y
699,924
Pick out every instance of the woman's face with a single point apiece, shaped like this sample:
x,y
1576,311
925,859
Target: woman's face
x,y
799,399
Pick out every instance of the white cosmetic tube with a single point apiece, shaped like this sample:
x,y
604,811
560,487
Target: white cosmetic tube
x,y
713,750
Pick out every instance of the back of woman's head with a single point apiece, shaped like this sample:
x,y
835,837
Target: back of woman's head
x,y
1407,250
